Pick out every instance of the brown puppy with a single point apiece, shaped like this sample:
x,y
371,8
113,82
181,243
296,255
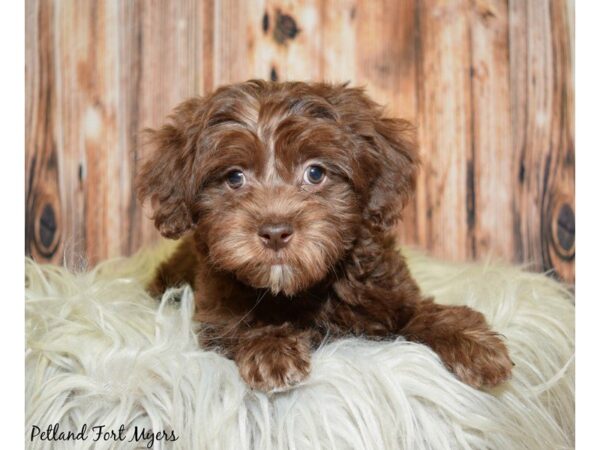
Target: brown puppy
x,y
289,192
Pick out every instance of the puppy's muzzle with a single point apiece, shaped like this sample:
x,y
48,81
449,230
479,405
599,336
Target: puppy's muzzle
x,y
275,235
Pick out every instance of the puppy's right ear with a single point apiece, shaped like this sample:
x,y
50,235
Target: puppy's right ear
x,y
166,176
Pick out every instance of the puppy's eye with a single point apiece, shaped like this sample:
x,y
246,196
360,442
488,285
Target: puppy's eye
x,y
314,174
235,179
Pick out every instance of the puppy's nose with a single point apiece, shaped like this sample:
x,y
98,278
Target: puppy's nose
x,y
275,236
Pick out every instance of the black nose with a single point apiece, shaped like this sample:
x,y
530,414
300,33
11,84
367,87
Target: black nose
x,y
276,236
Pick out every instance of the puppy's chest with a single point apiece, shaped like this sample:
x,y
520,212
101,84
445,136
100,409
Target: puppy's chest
x,y
303,310
260,307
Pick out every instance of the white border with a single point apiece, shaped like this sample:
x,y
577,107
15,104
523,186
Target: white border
x,y
587,166
12,119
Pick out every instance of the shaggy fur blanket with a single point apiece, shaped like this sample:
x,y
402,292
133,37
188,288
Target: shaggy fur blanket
x,y
101,352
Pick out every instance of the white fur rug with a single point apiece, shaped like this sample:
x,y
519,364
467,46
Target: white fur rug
x,y
101,352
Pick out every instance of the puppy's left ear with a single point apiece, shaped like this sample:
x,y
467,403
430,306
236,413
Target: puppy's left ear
x,y
396,157
388,156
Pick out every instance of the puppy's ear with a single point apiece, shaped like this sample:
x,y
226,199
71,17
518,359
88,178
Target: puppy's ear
x,y
398,162
166,177
388,157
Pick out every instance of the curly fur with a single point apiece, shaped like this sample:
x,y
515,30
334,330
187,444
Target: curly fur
x,y
339,273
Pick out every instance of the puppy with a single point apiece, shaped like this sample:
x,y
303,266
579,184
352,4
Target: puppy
x,y
287,194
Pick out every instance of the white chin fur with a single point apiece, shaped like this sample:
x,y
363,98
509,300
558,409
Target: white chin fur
x,y
280,276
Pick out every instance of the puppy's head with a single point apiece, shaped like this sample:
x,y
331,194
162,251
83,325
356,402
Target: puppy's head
x,y
277,179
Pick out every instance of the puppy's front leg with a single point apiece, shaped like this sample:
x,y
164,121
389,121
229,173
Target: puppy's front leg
x,y
273,357
463,340
180,268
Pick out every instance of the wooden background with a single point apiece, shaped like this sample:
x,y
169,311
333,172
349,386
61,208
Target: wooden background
x,y
488,82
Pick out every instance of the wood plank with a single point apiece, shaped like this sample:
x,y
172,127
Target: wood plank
x,y
386,38
444,99
279,31
542,133
172,68
558,236
44,234
234,24
491,171
270,39
130,37
86,53
340,37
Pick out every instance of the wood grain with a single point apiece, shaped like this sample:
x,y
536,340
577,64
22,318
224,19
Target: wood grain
x,y
488,83
491,213
45,228
445,114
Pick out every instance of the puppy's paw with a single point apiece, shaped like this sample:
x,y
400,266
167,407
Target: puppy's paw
x,y
463,340
274,364
478,358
